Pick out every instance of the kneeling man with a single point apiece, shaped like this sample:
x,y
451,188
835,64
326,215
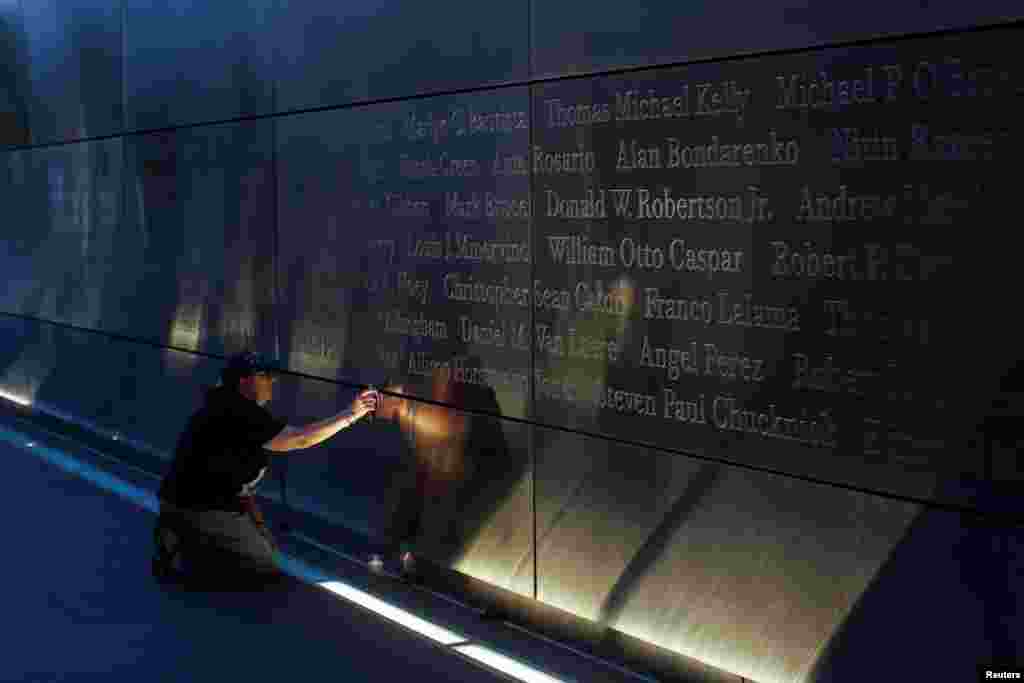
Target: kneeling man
x,y
209,528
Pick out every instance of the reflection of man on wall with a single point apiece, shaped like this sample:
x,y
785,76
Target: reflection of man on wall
x,y
209,527
461,468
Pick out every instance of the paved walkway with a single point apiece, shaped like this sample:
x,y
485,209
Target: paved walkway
x,y
79,604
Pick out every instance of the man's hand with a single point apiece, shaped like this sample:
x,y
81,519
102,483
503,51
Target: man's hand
x,y
366,402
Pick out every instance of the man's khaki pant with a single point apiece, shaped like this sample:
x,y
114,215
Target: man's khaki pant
x,y
215,545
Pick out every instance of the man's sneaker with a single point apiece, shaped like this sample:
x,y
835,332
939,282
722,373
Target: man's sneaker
x,y
166,564
161,571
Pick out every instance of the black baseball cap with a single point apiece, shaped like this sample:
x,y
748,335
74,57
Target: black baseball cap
x,y
248,363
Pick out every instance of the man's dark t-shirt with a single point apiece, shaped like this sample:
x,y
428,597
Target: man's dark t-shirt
x,y
220,452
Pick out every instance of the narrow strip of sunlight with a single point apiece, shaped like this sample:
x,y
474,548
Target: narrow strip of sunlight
x,y
14,398
400,616
505,664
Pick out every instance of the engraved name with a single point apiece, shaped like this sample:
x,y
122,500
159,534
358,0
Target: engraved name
x,y
470,121
417,326
616,400
566,115
416,288
634,155
855,145
702,100
750,313
460,287
745,312
844,207
924,80
724,365
869,261
731,414
463,247
442,166
499,333
457,246
475,206
578,250
510,165
641,203
574,344
592,205
827,376
595,296
928,145
404,206
563,163
684,410
823,91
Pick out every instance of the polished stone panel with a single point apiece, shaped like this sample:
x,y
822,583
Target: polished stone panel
x,y
75,58
194,251
744,571
754,286
336,53
65,206
188,62
404,245
788,262
580,37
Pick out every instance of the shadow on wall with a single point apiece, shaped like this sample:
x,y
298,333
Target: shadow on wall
x,y
951,595
653,548
948,599
459,471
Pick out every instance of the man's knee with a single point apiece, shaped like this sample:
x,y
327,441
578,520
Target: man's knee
x,y
240,548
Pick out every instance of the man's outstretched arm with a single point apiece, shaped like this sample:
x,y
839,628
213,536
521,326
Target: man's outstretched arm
x,y
293,438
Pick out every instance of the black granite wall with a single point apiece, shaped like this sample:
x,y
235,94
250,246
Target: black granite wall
x,y
697,322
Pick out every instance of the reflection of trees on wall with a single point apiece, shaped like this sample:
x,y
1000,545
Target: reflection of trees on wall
x,y
54,263
320,37
456,51
32,226
254,93
296,188
101,108
149,241
14,85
